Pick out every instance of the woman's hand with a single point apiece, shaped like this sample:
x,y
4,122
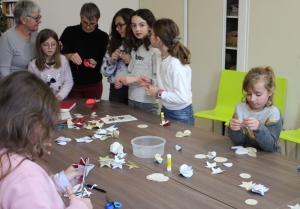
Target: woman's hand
x,y
87,201
235,124
92,63
75,58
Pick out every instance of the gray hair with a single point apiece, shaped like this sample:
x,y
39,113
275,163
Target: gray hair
x,y
90,11
25,8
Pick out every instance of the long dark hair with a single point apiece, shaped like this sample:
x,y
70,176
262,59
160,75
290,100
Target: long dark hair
x,y
115,39
131,40
29,113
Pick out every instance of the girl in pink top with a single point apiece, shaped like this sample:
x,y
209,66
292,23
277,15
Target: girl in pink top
x,y
29,114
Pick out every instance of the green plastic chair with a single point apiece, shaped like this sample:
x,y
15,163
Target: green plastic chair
x,y
229,94
292,136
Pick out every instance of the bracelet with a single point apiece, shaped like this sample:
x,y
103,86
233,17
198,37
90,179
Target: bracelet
x,y
159,93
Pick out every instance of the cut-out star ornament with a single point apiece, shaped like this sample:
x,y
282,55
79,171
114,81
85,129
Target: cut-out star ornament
x,y
132,165
294,207
210,165
217,170
248,185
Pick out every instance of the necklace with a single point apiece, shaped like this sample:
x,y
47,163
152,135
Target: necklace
x,y
164,57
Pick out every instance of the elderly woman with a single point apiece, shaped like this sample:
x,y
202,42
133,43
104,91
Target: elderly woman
x,y
85,46
17,45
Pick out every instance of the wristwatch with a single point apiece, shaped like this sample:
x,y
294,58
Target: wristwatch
x,y
159,93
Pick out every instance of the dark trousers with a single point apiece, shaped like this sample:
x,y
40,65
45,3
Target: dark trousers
x,y
118,95
90,91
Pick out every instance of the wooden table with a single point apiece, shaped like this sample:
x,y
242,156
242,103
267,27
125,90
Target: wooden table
x,y
203,190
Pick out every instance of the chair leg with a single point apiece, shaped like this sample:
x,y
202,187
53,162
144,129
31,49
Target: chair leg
x,y
296,150
285,147
226,131
213,126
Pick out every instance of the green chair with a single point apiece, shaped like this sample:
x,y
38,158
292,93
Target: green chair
x,y
292,136
229,94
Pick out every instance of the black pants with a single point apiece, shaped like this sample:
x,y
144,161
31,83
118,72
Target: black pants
x,y
118,95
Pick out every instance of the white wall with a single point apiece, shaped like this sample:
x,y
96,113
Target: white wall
x,y
58,14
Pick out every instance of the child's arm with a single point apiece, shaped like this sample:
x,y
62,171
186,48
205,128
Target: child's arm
x,y
109,64
68,82
267,135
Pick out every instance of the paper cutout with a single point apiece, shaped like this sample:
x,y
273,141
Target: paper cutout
x,y
251,202
200,156
132,165
117,163
105,161
217,170
62,140
90,102
142,126
260,189
220,159
211,155
157,177
117,149
186,171
85,139
294,207
236,147
248,185
93,115
182,134
228,165
177,147
86,62
210,165
251,151
245,175
158,158
121,118
241,151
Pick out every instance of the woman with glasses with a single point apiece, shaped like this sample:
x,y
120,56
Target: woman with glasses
x,y
17,45
84,45
117,56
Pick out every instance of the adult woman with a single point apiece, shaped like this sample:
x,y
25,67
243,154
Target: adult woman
x,y
29,115
17,45
84,45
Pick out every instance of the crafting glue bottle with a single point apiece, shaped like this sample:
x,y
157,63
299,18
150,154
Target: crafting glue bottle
x,y
162,115
169,162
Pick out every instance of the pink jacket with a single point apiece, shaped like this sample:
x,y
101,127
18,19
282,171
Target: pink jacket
x,y
29,187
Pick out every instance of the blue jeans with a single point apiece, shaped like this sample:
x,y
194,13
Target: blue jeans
x,y
185,115
149,107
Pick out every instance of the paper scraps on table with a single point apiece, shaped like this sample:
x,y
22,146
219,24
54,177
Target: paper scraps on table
x,y
117,163
216,170
260,189
178,148
85,139
103,134
158,158
211,155
248,185
78,115
251,151
210,165
183,134
121,118
142,126
228,165
297,206
220,159
132,165
251,202
245,175
200,156
157,177
236,147
241,151
93,115
105,161
117,149
62,140
186,171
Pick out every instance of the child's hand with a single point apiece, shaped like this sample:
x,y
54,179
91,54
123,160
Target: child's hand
x,y
76,58
151,90
126,58
144,81
251,123
58,97
118,83
92,63
115,56
46,152
126,80
73,175
87,201
235,124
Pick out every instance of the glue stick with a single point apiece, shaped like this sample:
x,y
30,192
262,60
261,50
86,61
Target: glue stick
x,y
162,115
169,162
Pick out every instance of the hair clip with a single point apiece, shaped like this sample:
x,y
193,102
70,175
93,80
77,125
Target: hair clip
x,y
175,40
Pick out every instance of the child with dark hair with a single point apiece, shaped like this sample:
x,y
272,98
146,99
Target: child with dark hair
x,y
50,66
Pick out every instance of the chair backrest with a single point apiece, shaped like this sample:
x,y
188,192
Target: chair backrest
x,y
280,93
230,89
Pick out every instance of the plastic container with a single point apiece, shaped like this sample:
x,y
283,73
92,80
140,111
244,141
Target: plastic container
x,y
148,146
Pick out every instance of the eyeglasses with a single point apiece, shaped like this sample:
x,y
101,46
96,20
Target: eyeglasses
x,y
120,25
91,24
49,45
37,18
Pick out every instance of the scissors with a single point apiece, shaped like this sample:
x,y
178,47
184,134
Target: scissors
x,y
111,204
85,174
